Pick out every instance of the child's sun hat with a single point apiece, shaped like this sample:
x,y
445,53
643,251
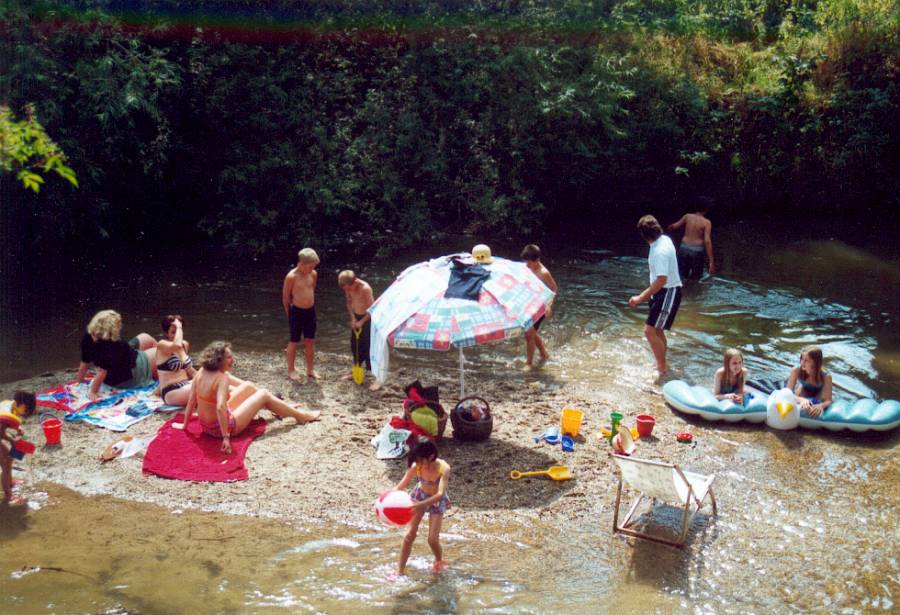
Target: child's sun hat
x,y
482,254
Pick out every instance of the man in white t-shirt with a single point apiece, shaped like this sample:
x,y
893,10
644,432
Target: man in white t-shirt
x,y
664,291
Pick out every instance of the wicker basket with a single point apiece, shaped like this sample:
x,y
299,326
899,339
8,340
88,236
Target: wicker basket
x,y
464,427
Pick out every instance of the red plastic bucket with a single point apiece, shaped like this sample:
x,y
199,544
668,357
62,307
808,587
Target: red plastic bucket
x,y
645,424
52,428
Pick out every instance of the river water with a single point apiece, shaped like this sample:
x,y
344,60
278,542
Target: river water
x,y
807,520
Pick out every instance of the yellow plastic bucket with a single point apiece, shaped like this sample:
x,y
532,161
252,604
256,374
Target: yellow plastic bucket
x,y
571,421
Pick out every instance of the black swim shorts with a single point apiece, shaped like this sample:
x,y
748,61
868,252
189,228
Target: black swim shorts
x,y
302,322
664,307
690,261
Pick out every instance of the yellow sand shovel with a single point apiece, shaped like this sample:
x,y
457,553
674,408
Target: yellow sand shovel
x,y
555,472
359,372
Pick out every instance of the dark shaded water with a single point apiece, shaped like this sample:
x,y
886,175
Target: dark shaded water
x,y
774,295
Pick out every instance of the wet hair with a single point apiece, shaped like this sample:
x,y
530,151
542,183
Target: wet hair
x,y
422,449
24,398
530,253
705,204
169,320
815,354
346,278
730,354
307,255
213,356
105,325
649,228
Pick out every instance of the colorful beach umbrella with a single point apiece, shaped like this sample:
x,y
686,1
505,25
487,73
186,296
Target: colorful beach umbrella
x,y
414,311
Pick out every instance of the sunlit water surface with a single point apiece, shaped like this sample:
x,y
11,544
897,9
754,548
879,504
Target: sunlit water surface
x,y
807,520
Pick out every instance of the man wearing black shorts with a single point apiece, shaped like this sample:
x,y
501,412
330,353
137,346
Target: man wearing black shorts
x,y
664,292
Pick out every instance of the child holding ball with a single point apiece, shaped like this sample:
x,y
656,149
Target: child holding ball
x,y
430,495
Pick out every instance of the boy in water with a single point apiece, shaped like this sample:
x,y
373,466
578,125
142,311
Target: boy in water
x,y
359,300
298,295
531,254
664,291
697,239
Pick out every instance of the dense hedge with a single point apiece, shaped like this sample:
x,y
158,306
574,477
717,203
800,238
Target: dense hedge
x,y
269,124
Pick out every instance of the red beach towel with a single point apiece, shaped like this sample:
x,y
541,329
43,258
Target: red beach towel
x,y
192,455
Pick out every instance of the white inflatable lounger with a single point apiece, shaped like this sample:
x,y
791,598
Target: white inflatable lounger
x,y
860,415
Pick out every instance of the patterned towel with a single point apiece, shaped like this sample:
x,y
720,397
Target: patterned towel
x,y
192,455
116,410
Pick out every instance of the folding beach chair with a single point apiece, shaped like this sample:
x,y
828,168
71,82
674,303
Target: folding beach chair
x,y
660,481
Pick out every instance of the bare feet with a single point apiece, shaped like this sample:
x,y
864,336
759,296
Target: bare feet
x,y
347,377
314,375
375,386
294,376
308,415
528,367
439,566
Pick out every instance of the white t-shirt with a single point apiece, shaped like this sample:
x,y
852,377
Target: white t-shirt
x,y
664,261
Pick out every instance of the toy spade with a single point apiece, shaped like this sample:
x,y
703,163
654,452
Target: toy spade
x,y
555,472
359,372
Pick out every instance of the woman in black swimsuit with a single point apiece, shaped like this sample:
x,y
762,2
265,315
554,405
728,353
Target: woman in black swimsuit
x,y
173,363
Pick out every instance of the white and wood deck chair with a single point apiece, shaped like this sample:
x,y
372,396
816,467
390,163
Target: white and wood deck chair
x,y
665,482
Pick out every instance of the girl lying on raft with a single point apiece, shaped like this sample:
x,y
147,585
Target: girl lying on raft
x,y
730,378
225,405
810,383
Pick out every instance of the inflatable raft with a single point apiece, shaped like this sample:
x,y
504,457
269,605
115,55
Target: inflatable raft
x,y
859,415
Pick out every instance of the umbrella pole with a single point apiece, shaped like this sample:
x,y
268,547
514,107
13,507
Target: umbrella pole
x,y
462,375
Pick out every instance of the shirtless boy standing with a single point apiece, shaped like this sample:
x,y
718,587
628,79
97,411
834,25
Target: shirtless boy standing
x,y
359,300
531,254
298,295
697,240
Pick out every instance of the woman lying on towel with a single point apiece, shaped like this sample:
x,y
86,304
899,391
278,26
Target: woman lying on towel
x,y
119,363
173,363
225,405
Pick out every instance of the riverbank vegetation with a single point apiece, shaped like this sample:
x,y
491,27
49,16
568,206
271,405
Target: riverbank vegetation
x,y
267,125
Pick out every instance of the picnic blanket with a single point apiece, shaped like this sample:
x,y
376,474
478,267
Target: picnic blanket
x,y
116,410
192,455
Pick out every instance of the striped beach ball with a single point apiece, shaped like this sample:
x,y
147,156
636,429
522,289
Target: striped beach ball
x,y
394,508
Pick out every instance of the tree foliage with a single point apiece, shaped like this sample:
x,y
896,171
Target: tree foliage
x,y
27,150
269,125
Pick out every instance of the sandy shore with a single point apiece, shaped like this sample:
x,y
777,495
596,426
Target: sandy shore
x,y
328,471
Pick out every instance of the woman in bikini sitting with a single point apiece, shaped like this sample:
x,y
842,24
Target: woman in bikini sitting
x,y
225,412
173,363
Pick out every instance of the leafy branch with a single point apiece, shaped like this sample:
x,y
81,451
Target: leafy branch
x,y
29,152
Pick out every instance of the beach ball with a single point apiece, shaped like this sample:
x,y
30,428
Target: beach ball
x,y
394,508
782,411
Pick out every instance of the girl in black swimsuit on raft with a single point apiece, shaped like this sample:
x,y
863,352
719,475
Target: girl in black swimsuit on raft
x,y
810,383
173,363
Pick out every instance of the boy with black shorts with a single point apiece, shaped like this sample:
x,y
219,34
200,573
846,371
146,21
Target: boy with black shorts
x,y
298,295
531,254
664,291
